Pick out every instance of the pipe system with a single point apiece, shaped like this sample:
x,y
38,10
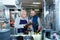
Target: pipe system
x,y
57,14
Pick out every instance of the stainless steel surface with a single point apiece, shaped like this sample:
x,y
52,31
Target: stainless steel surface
x,y
57,15
29,4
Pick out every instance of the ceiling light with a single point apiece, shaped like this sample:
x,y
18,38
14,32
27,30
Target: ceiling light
x,y
36,9
36,3
32,5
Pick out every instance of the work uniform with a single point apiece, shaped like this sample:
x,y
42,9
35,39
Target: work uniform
x,y
20,23
36,22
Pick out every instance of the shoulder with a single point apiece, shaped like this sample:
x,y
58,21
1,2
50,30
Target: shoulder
x,y
36,16
27,18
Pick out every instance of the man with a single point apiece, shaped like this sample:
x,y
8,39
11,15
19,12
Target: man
x,y
21,21
35,20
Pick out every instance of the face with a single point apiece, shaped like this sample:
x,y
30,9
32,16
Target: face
x,y
32,13
24,14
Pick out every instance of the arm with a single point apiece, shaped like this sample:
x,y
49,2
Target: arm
x,y
39,22
39,26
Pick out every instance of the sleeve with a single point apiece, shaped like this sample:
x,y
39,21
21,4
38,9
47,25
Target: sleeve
x,y
39,22
16,24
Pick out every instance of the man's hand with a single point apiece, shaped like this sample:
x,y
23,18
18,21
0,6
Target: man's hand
x,y
39,29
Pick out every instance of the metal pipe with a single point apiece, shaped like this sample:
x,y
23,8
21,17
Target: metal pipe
x,y
57,14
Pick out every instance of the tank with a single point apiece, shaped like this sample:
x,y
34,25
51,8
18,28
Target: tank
x,y
5,34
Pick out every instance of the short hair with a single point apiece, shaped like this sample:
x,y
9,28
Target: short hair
x,y
33,9
23,11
